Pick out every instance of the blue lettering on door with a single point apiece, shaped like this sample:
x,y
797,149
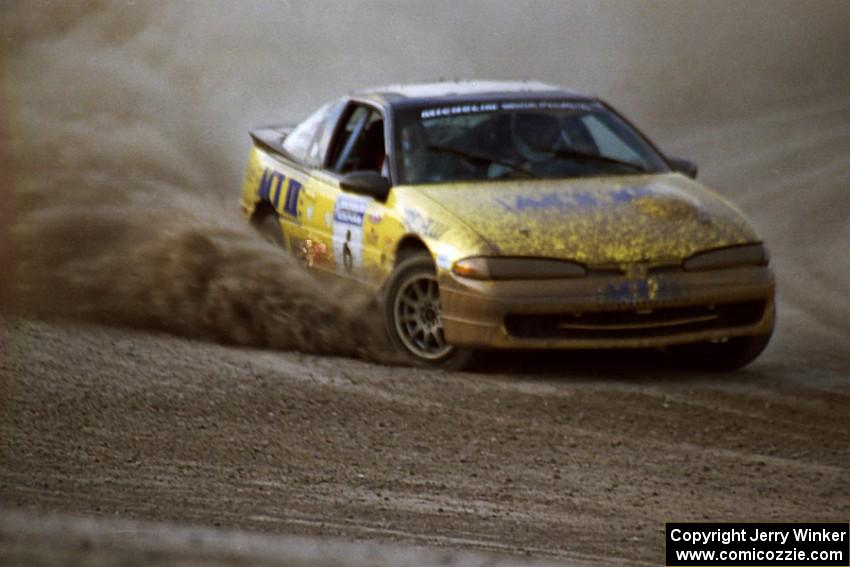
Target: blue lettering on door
x,y
271,187
292,192
265,185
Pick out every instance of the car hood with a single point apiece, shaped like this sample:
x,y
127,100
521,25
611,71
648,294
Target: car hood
x,y
611,220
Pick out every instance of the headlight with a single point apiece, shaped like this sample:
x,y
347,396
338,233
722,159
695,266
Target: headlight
x,y
745,255
481,268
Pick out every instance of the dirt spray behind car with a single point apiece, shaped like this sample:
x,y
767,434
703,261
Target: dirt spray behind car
x,y
119,217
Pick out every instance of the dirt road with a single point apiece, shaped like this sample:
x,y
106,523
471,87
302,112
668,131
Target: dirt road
x,y
571,456
577,459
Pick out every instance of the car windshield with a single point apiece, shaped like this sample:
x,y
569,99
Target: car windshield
x,y
518,140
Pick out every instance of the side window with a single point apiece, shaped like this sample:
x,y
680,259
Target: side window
x,y
360,142
304,142
321,142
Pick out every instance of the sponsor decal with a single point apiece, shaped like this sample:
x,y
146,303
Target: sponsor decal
x,y
638,289
568,201
271,189
474,108
458,109
629,194
426,226
311,251
548,105
349,214
291,206
547,201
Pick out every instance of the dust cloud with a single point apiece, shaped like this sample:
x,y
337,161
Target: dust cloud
x,y
126,123
123,214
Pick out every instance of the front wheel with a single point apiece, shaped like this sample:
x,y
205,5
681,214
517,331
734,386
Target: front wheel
x,y
413,317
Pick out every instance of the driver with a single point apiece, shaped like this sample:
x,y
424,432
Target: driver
x,y
536,137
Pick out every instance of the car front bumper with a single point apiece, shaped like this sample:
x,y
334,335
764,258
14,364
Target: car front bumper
x,y
608,309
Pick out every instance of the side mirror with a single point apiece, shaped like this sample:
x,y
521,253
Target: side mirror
x,y
366,183
683,166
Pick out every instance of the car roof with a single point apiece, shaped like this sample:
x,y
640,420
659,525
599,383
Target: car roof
x,y
447,92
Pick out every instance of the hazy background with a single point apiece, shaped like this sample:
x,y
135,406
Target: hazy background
x,y
208,70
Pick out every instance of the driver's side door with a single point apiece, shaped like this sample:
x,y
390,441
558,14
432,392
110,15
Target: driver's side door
x,y
342,223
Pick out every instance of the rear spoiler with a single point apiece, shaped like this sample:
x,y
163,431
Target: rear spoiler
x,y
272,137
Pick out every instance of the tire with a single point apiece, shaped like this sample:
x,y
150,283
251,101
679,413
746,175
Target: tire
x,y
267,224
724,356
411,309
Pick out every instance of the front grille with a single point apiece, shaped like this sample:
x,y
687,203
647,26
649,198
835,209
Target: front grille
x,y
637,323
623,270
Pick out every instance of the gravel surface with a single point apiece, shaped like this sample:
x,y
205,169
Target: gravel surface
x,y
60,540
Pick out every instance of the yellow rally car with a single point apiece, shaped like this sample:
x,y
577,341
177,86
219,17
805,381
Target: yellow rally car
x,y
512,215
